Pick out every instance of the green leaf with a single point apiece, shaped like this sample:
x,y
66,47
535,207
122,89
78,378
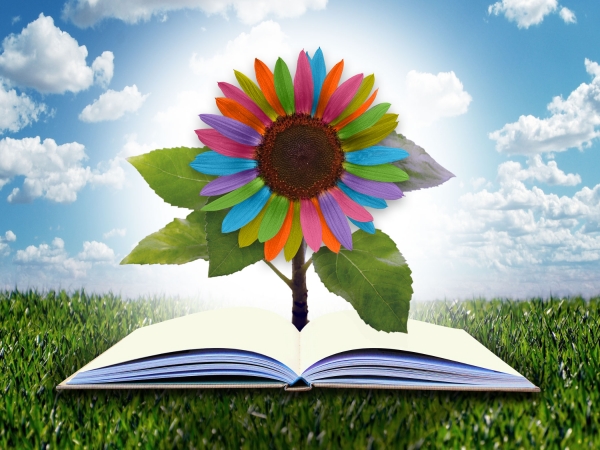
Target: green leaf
x,y
284,86
169,174
224,253
373,277
181,241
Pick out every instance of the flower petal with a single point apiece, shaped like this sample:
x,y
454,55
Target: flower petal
x,y
225,146
232,129
228,183
311,226
364,121
317,66
341,97
244,212
373,135
249,232
264,76
303,85
213,163
235,93
342,123
328,237
284,86
295,238
381,172
350,208
274,218
362,199
365,226
275,245
329,86
373,156
336,219
389,191
235,197
361,95
254,92
232,109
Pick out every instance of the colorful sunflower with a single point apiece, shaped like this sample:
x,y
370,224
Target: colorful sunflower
x,y
296,159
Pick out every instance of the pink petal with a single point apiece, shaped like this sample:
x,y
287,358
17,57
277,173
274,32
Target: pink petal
x,y
303,85
225,146
235,93
350,207
341,98
311,225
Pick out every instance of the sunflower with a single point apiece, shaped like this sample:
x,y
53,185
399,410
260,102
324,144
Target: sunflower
x,y
299,158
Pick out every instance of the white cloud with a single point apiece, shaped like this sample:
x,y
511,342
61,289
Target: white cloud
x,y
50,170
538,171
103,68
114,232
112,105
49,60
54,258
524,12
15,20
431,97
573,122
133,148
567,15
85,13
266,41
9,236
17,111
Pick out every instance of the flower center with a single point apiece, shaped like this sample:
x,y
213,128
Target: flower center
x,y
300,156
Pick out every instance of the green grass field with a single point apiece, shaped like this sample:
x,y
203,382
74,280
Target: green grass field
x,y
45,338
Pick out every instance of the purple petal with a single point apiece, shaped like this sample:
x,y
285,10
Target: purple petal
x,y
232,129
303,85
380,189
228,183
235,93
341,98
336,219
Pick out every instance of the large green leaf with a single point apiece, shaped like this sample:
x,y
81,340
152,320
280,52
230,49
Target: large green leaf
x,y
169,174
181,241
224,253
373,277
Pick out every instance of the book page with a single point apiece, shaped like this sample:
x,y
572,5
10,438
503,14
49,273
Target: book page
x,y
345,330
250,329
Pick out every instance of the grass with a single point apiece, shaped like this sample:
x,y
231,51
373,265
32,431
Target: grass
x,y
46,337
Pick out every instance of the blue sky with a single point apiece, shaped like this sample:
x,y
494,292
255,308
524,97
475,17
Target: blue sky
x,y
505,94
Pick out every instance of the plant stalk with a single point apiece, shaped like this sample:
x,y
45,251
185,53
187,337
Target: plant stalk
x,y
299,291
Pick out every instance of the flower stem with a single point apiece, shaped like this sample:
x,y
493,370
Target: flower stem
x,y
299,291
285,279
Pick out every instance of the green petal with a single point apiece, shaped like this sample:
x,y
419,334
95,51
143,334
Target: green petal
x,y
237,196
364,121
295,238
284,86
381,172
254,92
361,96
373,135
274,218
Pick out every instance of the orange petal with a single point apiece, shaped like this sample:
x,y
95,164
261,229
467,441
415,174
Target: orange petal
x,y
356,113
232,109
264,76
274,245
328,238
330,84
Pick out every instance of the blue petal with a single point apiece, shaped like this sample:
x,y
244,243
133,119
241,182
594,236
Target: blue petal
x,y
373,156
213,163
362,199
317,66
365,226
242,213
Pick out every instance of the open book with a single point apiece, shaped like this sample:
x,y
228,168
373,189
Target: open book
x,y
250,347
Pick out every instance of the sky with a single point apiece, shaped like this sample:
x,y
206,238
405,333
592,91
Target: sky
x,y
505,95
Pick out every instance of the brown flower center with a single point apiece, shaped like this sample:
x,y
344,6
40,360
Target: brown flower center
x,y
300,156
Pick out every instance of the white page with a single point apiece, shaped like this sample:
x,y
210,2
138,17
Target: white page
x,y
345,330
251,329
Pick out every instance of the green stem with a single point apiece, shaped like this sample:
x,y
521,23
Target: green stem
x,y
285,279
